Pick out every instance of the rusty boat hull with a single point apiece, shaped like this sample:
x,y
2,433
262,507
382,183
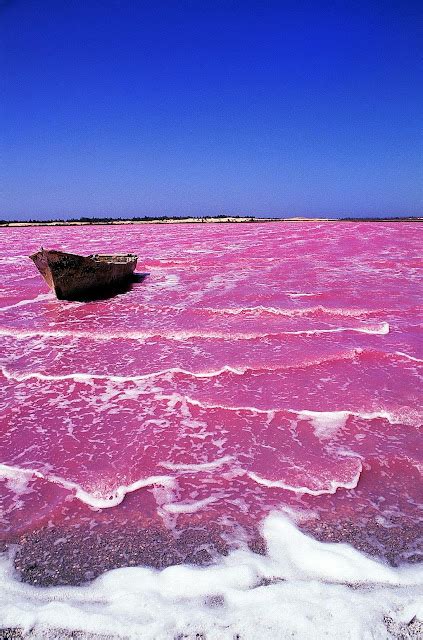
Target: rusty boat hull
x,y
72,276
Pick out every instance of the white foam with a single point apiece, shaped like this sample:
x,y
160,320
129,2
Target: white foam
x,y
15,481
332,487
201,466
373,329
88,377
212,373
208,373
170,281
98,498
381,329
301,589
188,507
301,295
327,423
406,355
174,398
320,419
278,311
23,303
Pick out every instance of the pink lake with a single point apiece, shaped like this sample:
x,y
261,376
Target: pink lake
x,y
259,368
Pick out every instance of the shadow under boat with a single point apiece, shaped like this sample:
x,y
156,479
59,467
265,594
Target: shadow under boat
x,y
85,278
103,293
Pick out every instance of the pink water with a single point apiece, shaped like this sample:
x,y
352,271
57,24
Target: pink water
x,y
259,367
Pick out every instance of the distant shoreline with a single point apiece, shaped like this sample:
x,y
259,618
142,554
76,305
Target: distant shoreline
x,y
207,220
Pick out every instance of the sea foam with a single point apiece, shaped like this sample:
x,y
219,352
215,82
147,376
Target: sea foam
x,y
98,498
381,329
302,588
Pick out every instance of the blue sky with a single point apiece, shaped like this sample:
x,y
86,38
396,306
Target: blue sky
x,y
129,108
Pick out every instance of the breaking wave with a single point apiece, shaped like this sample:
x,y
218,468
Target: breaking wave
x,y
96,498
332,487
381,329
22,303
357,354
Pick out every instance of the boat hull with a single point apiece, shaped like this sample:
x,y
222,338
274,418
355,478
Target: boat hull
x,y
72,276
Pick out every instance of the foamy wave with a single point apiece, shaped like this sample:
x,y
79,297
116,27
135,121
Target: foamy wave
x,y
175,398
301,588
293,294
318,417
327,423
277,311
201,466
88,377
96,499
23,303
239,370
103,498
374,329
332,487
381,329
210,373
408,357
13,259
188,507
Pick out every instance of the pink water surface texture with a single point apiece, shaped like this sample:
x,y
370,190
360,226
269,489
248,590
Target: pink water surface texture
x,y
258,368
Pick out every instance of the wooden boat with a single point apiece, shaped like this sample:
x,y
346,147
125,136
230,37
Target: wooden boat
x,y
72,276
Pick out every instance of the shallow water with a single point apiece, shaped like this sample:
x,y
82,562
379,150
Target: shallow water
x,y
259,368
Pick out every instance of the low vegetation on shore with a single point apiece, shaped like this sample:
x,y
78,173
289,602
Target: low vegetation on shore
x,y
197,219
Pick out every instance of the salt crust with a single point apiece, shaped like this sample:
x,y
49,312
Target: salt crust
x,y
303,589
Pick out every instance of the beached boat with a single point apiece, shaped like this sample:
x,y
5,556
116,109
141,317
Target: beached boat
x,y
72,276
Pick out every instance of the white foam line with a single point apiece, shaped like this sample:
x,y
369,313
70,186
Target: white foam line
x,y
406,355
345,414
116,497
188,507
301,295
87,377
175,397
333,485
381,329
22,303
287,312
91,499
203,466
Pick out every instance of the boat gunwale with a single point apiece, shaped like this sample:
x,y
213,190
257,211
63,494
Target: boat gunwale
x,y
99,258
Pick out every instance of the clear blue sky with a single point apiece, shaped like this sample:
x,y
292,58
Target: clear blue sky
x,y
207,107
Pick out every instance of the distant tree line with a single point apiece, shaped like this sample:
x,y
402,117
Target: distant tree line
x,y
99,220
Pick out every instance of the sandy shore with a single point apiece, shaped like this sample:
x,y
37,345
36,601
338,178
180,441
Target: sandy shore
x,y
40,561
